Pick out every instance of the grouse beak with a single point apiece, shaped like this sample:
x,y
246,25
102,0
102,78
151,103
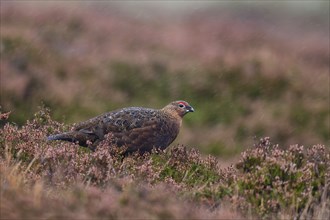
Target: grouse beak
x,y
189,109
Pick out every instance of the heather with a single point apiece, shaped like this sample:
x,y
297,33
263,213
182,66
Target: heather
x,y
62,180
242,72
256,147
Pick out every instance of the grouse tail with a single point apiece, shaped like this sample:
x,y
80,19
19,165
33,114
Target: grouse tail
x,y
64,137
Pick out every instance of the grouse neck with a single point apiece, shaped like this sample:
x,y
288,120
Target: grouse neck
x,y
171,113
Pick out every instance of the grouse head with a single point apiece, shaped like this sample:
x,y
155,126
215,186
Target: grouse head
x,y
178,108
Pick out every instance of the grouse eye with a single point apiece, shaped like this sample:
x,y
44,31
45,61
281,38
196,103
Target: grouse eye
x,y
181,105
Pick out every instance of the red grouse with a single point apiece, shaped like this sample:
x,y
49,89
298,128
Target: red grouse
x,y
139,129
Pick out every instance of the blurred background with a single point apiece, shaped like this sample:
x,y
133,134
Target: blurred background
x,y
250,69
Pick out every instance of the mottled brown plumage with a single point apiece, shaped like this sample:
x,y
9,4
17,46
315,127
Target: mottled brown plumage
x,y
137,128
